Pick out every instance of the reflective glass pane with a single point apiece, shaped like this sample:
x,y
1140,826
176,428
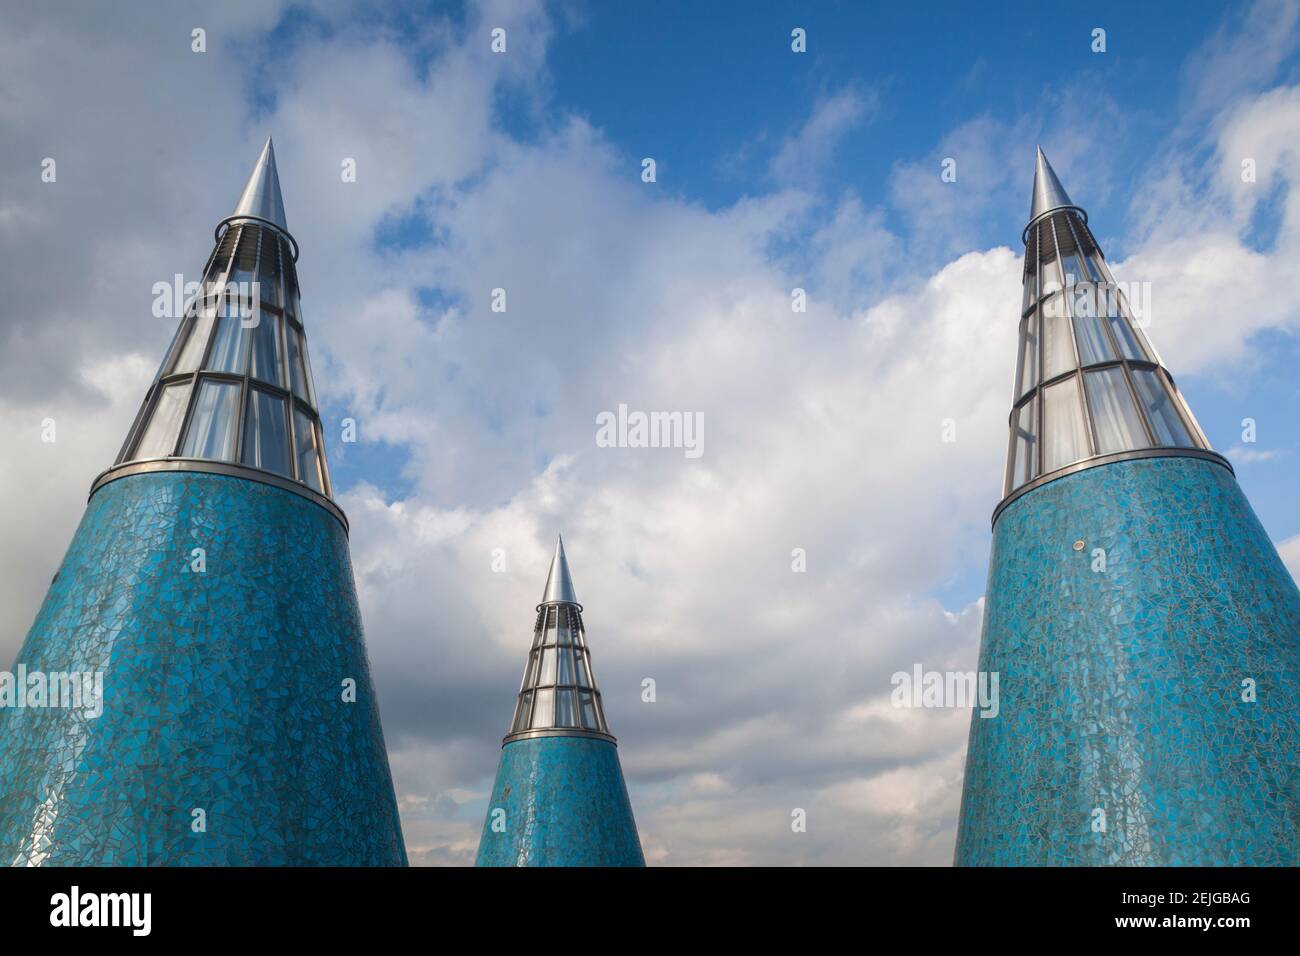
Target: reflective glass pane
x,y
566,666
580,659
311,467
1058,351
266,350
211,433
564,709
1025,463
181,328
229,346
588,712
266,433
1049,277
300,367
1098,266
198,328
1065,434
543,709
1114,416
1119,325
1161,412
521,714
548,666
1090,263
1029,356
1074,271
1094,343
164,426
1030,279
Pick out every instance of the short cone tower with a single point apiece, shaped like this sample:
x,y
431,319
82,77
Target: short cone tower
x,y
1145,632
209,587
559,797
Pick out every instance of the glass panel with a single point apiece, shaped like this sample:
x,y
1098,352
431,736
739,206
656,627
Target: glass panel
x,y
1025,465
1074,271
1065,435
548,666
1029,356
588,712
1098,267
310,466
266,433
1030,279
1128,343
564,636
1058,351
199,328
266,350
580,658
564,710
542,712
160,437
530,671
212,428
1090,263
231,344
521,715
566,666
1094,343
1049,277
1114,416
1166,423
300,367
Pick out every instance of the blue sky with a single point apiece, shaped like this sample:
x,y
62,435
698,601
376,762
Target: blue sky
x,y
775,170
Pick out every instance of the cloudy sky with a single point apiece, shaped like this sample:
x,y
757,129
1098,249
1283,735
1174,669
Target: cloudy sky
x,y
822,430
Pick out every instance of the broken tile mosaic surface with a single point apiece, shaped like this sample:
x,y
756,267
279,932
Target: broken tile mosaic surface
x,y
1121,691
223,690
565,804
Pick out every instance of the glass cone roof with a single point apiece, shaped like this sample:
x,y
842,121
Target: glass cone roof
x,y
1089,386
558,695
235,388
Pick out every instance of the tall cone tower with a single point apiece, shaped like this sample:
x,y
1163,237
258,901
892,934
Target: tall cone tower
x,y
1145,632
210,589
559,797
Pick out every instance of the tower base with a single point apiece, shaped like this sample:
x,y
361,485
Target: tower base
x,y
1149,691
225,736
559,801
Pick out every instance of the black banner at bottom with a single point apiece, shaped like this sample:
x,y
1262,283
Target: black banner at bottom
x,y
211,906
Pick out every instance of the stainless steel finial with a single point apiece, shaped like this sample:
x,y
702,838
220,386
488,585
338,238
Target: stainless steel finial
x,y
261,197
1049,194
559,585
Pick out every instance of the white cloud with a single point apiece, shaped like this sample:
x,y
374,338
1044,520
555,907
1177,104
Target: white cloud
x,y
803,155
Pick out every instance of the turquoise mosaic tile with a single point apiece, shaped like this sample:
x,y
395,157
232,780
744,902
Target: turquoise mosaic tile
x,y
1123,736
564,803
223,690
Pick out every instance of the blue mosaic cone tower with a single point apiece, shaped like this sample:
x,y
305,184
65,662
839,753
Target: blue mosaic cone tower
x,y
209,584
1146,633
559,797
